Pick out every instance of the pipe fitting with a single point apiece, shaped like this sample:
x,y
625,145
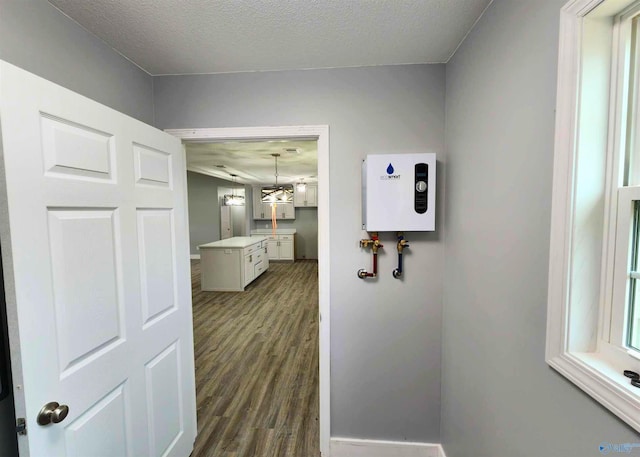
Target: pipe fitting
x,y
401,245
375,244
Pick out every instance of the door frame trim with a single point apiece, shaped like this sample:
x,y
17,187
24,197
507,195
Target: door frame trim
x,y
321,133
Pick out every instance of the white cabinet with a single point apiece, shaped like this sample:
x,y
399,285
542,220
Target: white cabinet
x,y
273,250
256,261
262,210
280,247
229,265
285,211
286,248
306,197
249,274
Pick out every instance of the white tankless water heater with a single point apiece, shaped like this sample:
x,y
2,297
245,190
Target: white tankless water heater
x,y
399,192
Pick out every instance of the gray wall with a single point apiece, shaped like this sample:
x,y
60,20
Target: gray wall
x,y
204,209
499,397
385,334
39,38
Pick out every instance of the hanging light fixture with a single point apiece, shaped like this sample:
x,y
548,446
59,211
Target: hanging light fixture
x,y
233,199
274,204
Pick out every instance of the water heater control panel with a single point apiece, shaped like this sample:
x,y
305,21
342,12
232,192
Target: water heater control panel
x,y
399,192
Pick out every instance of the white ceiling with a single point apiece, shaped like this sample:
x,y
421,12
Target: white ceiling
x,y
219,36
253,162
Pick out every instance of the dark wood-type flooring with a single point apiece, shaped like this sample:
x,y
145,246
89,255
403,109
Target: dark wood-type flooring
x,y
256,356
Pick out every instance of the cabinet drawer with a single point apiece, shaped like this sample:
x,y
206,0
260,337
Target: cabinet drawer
x,y
286,237
251,249
258,268
258,256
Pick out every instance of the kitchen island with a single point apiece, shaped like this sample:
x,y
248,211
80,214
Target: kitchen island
x,y
231,264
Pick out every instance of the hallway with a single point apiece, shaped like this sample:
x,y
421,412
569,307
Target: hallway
x,y
256,356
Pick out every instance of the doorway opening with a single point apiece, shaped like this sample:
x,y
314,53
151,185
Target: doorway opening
x,y
254,359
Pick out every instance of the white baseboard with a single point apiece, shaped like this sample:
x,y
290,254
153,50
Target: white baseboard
x,y
195,256
348,447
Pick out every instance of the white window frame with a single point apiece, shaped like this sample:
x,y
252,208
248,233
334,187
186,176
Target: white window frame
x,y
596,362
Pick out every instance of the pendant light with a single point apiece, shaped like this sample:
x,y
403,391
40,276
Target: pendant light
x,y
234,200
274,204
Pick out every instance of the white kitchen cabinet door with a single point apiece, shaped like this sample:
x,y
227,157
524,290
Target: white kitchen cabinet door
x,y
272,249
249,272
285,211
285,249
311,195
257,204
96,259
306,197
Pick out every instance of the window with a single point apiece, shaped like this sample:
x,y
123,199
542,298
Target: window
x,y
593,332
633,325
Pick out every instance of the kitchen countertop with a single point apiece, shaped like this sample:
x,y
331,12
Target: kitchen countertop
x,y
235,242
270,232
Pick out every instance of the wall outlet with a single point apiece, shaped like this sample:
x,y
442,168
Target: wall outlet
x,y
266,225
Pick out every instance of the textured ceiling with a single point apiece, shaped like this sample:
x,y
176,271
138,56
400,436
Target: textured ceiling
x,y
218,36
252,161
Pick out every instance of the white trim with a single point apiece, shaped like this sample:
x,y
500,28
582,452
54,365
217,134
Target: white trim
x,y
602,381
195,256
349,447
321,132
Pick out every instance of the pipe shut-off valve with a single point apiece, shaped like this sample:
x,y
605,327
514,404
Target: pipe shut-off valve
x,y
375,244
401,245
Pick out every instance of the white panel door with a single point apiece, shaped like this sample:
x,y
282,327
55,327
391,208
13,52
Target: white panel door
x,y
225,222
95,252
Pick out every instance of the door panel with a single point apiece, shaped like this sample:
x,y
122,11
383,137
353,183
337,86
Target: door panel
x,y
86,286
153,167
84,435
157,263
164,405
75,150
97,271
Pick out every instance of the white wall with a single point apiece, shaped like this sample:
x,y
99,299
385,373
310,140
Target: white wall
x,y
499,398
385,334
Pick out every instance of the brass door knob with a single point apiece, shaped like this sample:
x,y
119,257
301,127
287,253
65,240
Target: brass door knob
x,y
52,412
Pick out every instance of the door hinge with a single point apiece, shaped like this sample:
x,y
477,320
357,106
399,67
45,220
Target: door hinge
x,y
21,426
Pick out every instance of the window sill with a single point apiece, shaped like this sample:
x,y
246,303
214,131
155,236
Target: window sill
x,y
603,381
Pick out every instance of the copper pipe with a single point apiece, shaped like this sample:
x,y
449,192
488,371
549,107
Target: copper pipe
x,y
375,244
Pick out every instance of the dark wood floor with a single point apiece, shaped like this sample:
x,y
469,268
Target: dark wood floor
x,y
256,355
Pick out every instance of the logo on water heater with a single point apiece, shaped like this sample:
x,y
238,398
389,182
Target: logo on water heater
x,y
390,174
